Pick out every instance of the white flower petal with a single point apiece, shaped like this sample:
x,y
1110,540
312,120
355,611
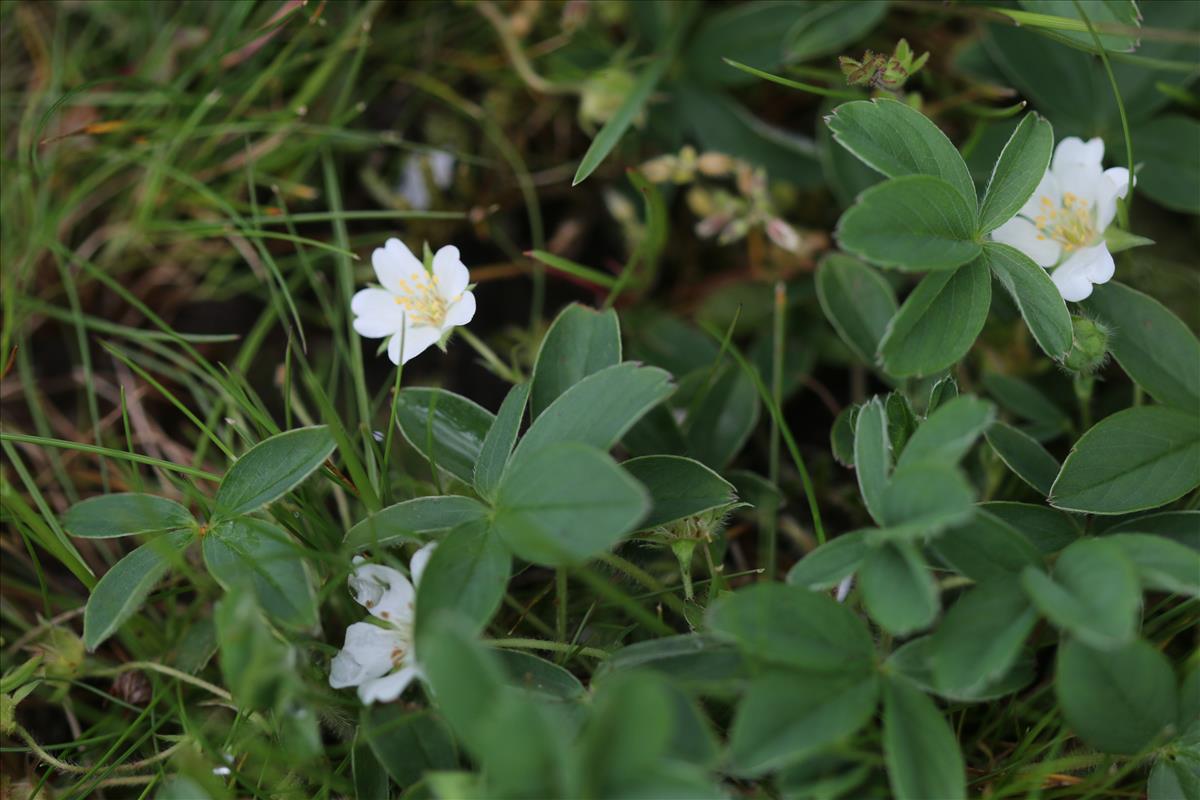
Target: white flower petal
x,y
383,591
393,262
441,164
369,652
1047,197
451,274
1024,235
1115,184
387,688
416,565
1120,178
460,312
1073,151
376,313
1085,182
416,339
1084,268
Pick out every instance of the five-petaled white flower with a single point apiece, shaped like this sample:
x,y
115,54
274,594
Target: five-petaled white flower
x,y
1062,225
379,659
413,307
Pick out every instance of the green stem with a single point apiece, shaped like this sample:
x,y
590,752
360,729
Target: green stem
x,y
1122,208
487,354
604,588
542,644
645,579
560,599
770,547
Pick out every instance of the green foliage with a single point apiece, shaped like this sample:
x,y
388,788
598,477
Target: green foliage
x,y
984,506
271,469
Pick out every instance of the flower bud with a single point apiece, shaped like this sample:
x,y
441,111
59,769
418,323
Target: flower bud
x,y
603,95
1089,346
62,653
715,165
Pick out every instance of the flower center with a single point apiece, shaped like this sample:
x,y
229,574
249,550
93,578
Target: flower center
x,y
423,304
1072,224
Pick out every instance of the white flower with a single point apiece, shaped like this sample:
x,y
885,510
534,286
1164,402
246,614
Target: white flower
x,y
413,186
379,659
413,307
1062,225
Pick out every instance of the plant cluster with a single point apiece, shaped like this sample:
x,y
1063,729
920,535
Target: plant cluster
x,y
898,500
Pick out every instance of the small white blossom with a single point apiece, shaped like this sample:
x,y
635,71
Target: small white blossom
x,y
413,307
1061,227
414,187
379,659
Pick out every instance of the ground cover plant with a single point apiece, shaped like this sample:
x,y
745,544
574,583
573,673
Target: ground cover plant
x,y
600,399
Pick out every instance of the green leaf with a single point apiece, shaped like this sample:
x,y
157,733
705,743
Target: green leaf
x,y
1048,530
408,744
841,436
446,428
914,660
827,28
679,488
949,432
1136,459
543,679
1030,461
791,627
1118,701
258,667
872,456
467,573
123,515
467,679
898,588
754,33
565,503
785,717
1018,171
1168,148
1161,563
414,521
987,548
271,469
915,223
615,128
124,587
261,556
628,733
598,410
1052,14
938,322
898,140
370,778
1103,619
945,390
1174,778
919,747
579,342
718,427
981,636
857,301
826,567
901,421
1118,241
923,499
691,660
1029,403
1151,344
498,444
1040,302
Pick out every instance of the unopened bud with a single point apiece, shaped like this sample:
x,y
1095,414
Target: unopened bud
x,y
62,653
1089,346
715,165
783,235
